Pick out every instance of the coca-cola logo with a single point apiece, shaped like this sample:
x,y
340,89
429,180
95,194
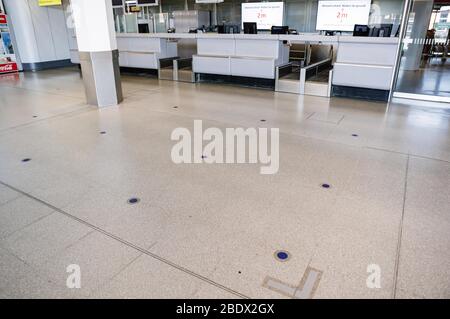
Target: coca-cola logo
x,y
8,67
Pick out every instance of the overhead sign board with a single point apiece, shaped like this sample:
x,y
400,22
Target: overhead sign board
x,y
45,3
342,15
265,14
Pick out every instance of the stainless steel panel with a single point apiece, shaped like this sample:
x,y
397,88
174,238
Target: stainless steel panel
x,y
193,19
166,74
101,77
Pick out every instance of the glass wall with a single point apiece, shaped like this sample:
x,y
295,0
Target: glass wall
x,y
299,14
424,70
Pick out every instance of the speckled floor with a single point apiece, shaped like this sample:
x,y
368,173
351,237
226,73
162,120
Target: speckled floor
x,y
211,231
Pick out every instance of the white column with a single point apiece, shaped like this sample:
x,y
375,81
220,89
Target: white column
x,y
421,13
97,45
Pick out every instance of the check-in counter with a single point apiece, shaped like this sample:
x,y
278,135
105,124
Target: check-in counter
x,y
138,50
364,67
242,55
144,51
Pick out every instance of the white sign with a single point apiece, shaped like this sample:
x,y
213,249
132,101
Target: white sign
x,y
342,15
265,14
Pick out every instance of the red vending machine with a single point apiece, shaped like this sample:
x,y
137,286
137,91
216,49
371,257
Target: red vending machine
x,y
7,57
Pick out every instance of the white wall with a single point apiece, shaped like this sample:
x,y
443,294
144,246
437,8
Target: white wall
x,y
41,32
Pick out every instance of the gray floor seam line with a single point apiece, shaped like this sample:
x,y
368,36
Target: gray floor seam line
x,y
429,158
400,233
32,223
62,115
100,288
11,200
142,250
42,92
409,154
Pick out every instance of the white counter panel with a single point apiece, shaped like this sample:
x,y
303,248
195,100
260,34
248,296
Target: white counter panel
x,y
142,60
215,46
257,48
74,57
123,58
367,40
144,45
73,45
310,38
211,65
257,68
122,44
363,76
363,53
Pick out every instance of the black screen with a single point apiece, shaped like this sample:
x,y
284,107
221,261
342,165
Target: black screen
x,y
117,2
250,28
142,2
361,30
279,29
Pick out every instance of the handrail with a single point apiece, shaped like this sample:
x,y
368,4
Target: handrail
x,y
310,67
317,64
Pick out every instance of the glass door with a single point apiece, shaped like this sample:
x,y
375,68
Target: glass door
x,y
424,66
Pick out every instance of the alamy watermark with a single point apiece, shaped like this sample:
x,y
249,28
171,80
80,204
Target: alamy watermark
x,y
74,279
231,146
373,281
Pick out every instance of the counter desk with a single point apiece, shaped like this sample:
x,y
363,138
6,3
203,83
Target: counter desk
x,y
362,66
243,55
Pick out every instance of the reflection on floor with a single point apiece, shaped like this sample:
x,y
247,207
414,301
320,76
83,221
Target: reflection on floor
x,y
219,231
433,78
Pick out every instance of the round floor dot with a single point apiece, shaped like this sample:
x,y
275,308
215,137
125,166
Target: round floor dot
x,y
133,200
26,160
175,107
326,186
263,120
282,255
102,132
355,135
34,116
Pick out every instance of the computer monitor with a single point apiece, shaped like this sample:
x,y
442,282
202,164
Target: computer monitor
x,y
221,28
143,28
361,30
117,3
383,30
231,28
279,30
250,28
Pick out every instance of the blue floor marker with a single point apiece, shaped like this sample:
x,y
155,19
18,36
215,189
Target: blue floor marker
x,y
282,255
26,160
326,185
133,200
